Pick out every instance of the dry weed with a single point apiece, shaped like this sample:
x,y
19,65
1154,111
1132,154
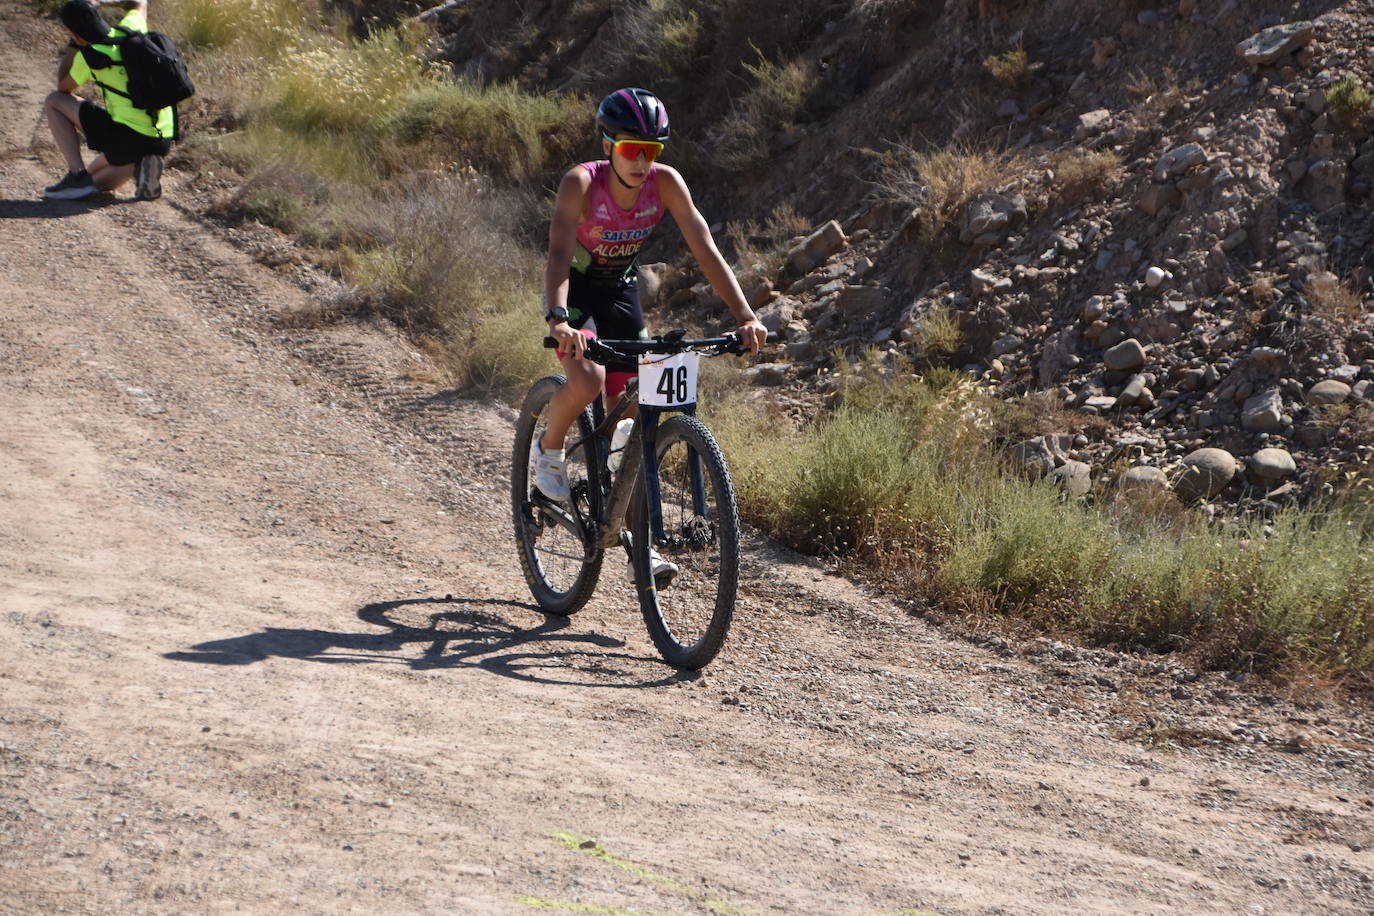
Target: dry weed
x,y
1079,175
941,183
1009,68
1333,300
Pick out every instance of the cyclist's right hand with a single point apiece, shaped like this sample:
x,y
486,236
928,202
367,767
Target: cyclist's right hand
x,y
570,340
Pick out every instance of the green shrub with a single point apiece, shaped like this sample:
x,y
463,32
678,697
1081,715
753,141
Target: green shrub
x,y
257,29
659,41
1348,100
778,96
936,336
442,260
513,136
330,86
900,481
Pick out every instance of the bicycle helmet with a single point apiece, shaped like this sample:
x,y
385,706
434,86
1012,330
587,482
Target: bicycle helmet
x,y
637,112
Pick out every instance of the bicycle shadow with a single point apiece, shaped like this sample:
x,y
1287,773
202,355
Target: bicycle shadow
x,y
56,209
466,636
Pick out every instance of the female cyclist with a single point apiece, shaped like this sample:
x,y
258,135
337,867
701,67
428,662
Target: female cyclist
x,y
604,212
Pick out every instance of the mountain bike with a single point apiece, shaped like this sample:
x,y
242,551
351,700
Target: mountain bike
x,y
670,499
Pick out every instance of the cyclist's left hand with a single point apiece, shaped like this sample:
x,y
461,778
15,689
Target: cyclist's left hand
x,y
752,334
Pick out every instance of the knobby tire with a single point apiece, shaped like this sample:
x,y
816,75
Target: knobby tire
x,y
690,618
561,563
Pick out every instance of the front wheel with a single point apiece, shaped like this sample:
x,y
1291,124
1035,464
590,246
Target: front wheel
x,y
559,550
688,618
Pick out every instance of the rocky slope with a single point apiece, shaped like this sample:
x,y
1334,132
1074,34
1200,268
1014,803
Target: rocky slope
x,y
1173,250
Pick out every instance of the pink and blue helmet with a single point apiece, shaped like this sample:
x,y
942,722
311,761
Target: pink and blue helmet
x,y
636,112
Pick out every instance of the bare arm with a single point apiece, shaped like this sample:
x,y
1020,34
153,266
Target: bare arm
x,y
65,83
678,200
567,212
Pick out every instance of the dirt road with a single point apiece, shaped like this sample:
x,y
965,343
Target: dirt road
x,y
264,646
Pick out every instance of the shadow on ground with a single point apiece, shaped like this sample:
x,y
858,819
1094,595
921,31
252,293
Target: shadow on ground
x,y
55,209
463,633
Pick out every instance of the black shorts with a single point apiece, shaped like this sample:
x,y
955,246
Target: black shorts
x,y
614,309
122,145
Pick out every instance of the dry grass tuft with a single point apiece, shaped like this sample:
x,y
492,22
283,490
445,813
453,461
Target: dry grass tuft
x,y
941,183
763,246
1080,175
1333,300
1010,68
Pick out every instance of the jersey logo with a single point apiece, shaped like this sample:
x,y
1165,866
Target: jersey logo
x,y
602,212
649,212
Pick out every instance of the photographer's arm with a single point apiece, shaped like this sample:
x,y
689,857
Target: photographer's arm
x,y
65,83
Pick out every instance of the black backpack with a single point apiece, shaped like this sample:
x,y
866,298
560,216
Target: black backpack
x,y
157,74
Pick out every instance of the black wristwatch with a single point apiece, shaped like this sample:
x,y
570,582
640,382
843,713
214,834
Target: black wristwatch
x,y
557,313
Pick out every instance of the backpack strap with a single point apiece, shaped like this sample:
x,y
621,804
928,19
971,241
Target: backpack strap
x,y
106,87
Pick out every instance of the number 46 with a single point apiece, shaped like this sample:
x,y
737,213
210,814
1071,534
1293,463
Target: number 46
x,y
672,384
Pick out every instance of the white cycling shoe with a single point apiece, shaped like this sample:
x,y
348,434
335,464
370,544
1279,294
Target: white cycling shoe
x,y
665,571
551,474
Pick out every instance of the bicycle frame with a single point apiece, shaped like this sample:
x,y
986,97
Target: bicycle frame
x,y
640,456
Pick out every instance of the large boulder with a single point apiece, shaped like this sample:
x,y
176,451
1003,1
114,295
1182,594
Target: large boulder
x,y
817,248
1074,477
1205,473
1041,455
1272,465
1263,413
1273,43
1125,356
1144,477
1179,160
861,300
990,217
1329,391
652,279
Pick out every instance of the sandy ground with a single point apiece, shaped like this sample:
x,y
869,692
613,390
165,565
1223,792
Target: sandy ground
x,y
265,647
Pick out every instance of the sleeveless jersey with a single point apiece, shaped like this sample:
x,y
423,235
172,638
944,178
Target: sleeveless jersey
x,y
609,239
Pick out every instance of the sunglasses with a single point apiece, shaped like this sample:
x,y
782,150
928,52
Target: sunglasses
x,y
632,149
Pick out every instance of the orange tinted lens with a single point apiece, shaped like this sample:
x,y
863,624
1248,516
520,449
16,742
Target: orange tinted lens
x,y
631,149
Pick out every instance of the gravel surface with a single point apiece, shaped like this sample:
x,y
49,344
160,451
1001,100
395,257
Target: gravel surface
x,y
265,646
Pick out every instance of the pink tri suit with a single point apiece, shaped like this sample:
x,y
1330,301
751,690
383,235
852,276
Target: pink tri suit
x,y
602,284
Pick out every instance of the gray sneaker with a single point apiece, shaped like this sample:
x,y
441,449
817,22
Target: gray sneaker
x,y
73,186
148,178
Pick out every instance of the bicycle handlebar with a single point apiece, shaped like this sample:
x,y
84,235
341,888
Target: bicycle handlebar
x,y
601,351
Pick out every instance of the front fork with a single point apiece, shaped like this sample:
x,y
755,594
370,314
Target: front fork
x,y
641,455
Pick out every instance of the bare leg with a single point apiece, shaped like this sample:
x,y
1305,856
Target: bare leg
x,y
585,379
64,120
108,177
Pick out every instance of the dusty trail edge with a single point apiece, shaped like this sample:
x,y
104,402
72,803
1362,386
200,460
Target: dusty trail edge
x,y
264,646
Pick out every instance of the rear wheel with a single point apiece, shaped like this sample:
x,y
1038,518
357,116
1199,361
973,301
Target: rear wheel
x,y
559,550
689,618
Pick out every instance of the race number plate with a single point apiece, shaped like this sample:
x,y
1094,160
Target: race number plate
x,y
668,381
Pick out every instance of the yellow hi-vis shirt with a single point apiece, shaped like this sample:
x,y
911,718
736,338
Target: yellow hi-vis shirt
x,y
119,106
